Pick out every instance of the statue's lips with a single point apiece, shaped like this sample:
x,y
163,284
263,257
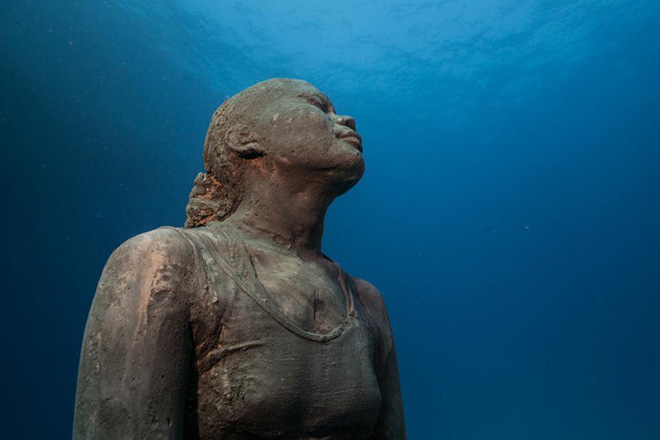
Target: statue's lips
x,y
353,138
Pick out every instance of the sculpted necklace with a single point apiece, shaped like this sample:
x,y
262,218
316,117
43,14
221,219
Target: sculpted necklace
x,y
258,293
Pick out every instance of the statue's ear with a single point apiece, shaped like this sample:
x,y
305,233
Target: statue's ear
x,y
241,140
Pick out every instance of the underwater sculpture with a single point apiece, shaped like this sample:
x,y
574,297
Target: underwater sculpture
x,y
238,326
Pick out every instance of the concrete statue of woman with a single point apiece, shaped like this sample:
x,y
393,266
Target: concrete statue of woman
x,y
238,326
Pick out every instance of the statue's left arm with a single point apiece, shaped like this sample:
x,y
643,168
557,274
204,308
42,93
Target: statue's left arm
x,y
390,424
137,348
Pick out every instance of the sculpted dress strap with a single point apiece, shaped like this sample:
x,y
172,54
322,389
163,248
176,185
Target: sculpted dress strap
x,y
250,285
259,375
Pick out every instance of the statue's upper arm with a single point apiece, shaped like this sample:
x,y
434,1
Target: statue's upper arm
x,y
390,424
137,348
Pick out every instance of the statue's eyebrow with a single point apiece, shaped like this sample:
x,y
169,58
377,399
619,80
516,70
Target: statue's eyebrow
x,y
318,96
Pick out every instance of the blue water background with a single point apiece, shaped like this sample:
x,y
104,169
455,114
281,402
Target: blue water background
x,y
510,212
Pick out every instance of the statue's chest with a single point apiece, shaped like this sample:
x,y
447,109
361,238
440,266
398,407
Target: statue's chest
x,y
265,380
292,364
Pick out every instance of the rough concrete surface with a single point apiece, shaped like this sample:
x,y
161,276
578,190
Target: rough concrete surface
x,y
238,326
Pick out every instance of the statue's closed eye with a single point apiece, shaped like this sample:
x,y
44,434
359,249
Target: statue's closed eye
x,y
317,102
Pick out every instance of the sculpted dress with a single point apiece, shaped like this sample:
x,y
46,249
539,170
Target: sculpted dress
x,y
224,361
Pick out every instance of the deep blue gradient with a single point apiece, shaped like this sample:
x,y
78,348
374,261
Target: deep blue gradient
x,y
510,213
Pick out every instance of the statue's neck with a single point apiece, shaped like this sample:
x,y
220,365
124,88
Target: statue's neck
x,y
288,216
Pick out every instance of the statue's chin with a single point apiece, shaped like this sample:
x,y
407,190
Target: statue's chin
x,y
348,177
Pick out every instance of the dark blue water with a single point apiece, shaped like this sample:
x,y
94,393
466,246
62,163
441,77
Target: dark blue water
x,y
510,213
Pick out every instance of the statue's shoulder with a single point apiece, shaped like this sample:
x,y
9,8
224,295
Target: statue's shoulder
x,y
152,268
215,237
165,246
372,299
375,305
367,291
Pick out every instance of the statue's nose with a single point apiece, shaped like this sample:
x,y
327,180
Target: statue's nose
x,y
346,121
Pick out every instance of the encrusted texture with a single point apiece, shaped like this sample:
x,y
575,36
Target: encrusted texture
x,y
238,326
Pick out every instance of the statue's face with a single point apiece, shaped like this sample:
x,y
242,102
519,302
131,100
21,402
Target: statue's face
x,y
300,129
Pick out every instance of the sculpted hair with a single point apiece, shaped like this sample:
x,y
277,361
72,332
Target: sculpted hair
x,y
217,193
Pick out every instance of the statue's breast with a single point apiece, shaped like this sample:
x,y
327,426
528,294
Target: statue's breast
x,y
260,380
